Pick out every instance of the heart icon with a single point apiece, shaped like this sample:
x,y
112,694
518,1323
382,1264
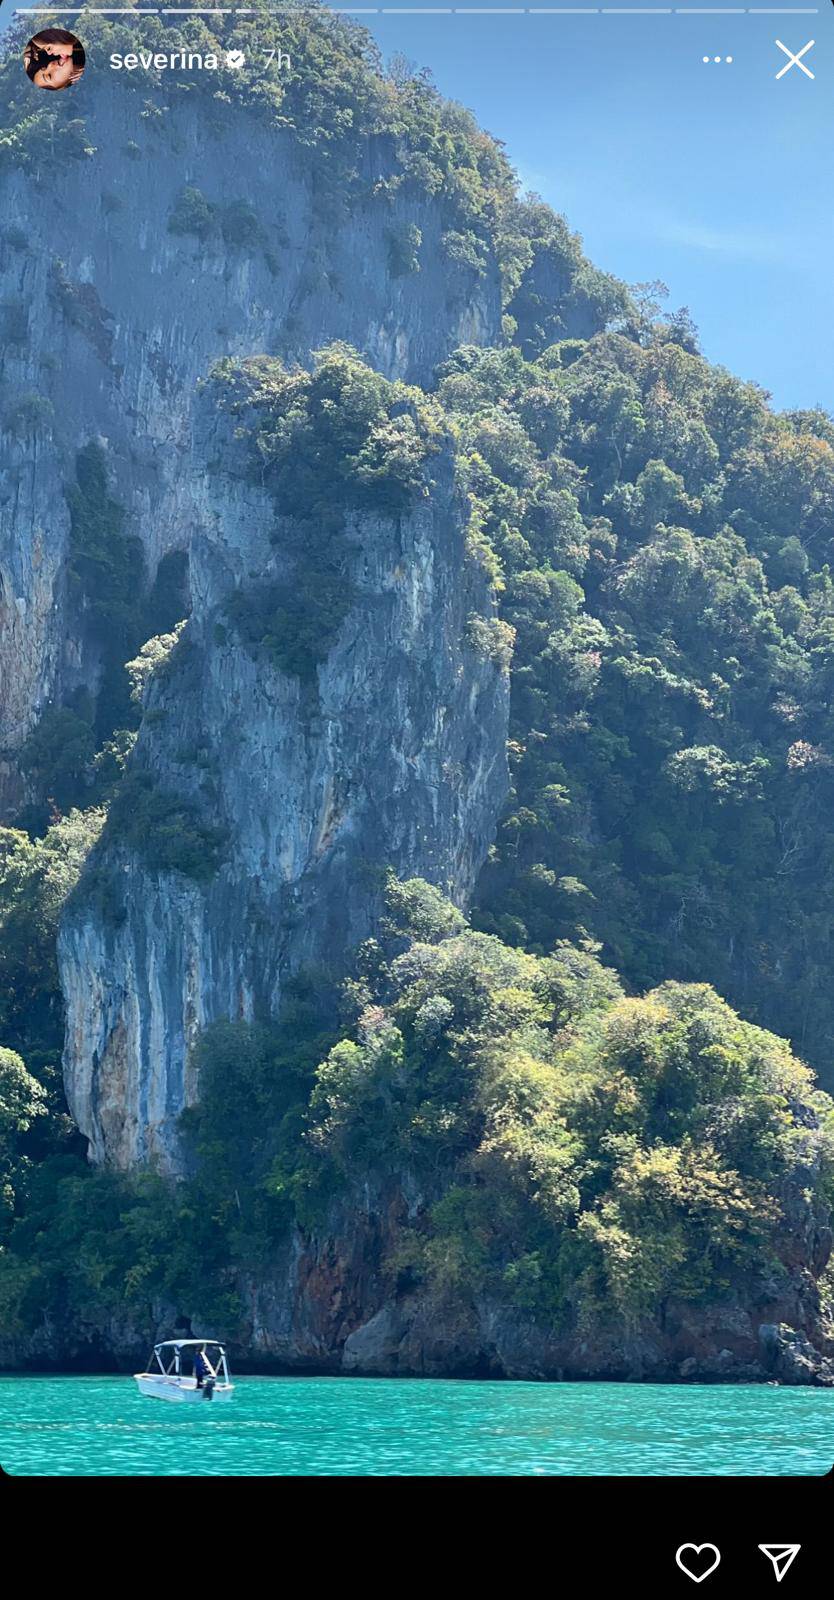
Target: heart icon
x,y
235,58
698,1565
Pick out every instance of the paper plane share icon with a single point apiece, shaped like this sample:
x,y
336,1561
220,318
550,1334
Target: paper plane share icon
x,y
782,1556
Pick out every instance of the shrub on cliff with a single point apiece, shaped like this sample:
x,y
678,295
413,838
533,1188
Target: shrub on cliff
x,y
152,662
58,755
192,213
237,223
30,416
166,829
404,250
338,440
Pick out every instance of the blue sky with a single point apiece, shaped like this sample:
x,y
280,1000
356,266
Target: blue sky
x,y
714,178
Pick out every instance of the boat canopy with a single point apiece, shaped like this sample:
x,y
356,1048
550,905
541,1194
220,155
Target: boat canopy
x,y
168,1353
183,1344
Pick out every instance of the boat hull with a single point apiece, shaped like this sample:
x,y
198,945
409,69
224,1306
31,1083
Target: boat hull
x,y
180,1390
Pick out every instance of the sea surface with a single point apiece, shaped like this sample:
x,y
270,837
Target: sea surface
x,y
345,1427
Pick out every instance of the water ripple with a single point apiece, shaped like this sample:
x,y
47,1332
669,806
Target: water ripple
x,y
348,1427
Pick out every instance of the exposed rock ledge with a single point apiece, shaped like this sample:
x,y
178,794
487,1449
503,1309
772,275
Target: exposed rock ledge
x,y
327,1306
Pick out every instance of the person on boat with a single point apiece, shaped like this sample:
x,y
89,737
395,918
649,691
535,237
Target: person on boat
x,y
202,1368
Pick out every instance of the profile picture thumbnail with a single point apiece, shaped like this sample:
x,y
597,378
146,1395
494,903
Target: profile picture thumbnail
x,y
54,59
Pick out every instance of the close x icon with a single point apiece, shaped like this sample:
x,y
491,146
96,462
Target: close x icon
x,y
795,58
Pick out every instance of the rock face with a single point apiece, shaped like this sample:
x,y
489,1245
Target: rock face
x,y
396,759
108,320
791,1358
301,794
402,762
325,1303
329,1304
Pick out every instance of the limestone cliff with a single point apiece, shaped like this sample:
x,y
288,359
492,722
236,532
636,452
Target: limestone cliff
x,y
317,719
395,757
108,319
106,339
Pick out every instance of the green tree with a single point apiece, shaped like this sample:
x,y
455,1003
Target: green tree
x,y
21,1101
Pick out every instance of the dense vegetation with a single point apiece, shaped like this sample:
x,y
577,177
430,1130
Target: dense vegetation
x,y
663,544
325,444
587,1157
36,878
592,1155
659,545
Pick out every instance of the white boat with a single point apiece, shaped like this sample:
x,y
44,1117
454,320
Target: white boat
x,y
171,1371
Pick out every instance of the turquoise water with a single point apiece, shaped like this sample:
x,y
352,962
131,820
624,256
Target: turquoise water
x,y
347,1427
